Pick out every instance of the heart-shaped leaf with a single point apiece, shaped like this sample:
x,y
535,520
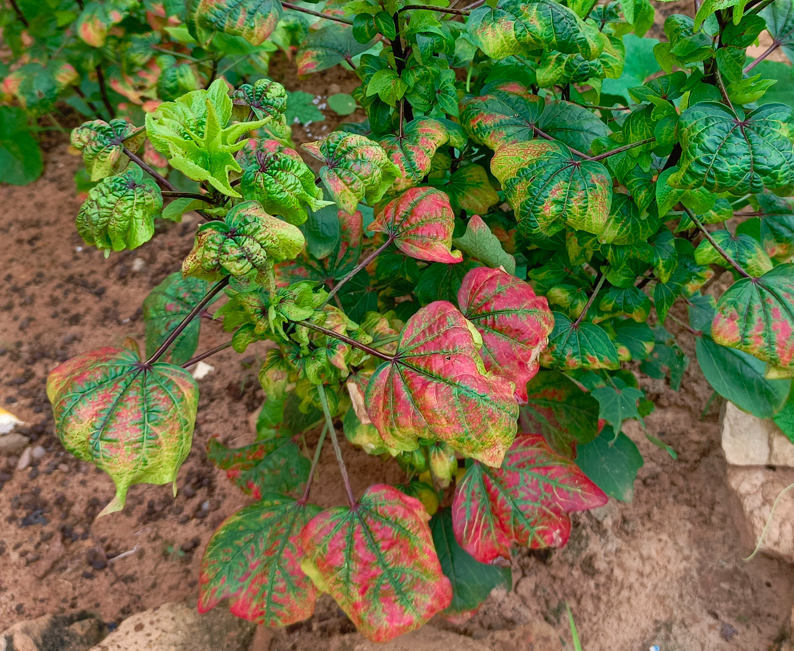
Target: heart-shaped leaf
x,y
548,188
253,559
327,47
420,221
413,152
264,98
253,20
525,502
132,420
745,250
436,388
618,402
480,243
625,301
356,168
97,18
723,153
470,189
275,465
582,345
378,562
164,309
779,17
513,27
611,462
102,145
776,228
756,315
556,407
119,212
514,323
441,282
626,225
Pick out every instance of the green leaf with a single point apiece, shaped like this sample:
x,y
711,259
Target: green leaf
x,y
583,345
784,419
132,420
253,560
640,64
548,188
378,562
119,212
20,156
721,157
164,309
253,20
480,243
743,249
342,104
556,407
102,145
666,359
265,98
625,301
756,315
637,338
611,462
302,109
470,189
618,402
356,168
327,47
471,580
441,282
436,388
273,465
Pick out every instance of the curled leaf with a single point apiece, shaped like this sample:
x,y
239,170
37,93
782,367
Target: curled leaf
x,y
253,20
413,152
102,145
262,99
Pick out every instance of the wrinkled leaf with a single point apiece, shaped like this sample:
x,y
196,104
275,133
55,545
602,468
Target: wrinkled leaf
x,y
102,143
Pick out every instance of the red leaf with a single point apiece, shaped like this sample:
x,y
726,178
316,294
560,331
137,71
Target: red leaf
x,y
514,323
525,502
421,222
378,561
436,388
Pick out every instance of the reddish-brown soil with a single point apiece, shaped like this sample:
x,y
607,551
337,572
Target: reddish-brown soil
x,y
666,570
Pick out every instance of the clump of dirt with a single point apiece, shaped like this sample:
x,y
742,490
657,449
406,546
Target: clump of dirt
x,y
664,570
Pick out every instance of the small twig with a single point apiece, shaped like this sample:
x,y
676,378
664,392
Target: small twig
x,y
723,90
104,91
129,552
443,10
176,54
713,243
337,450
775,45
358,268
590,300
213,73
546,136
88,102
193,313
305,498
612,152
601,108
173,194
207,353
289,5
474,5
402,119
356,344
685,326
161,180
19,13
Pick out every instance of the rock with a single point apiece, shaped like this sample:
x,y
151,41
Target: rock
x,y
39,452
757,489
202,370
13,443
179,627
76,632
138,264
25,459
751,441
426,638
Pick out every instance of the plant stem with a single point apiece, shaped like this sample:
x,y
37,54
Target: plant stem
x,y
356,344
103,89
759,7
723,90
399,60
775,45
217,287
88,102
358,268
402,118
474,5
171,194
612,152
546,136
161,180
213,73
289,5
713,243
443,10
685,326
207,353
19,13
175,54
330,424
305,497
590,300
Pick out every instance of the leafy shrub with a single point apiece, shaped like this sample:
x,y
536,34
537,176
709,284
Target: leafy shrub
x,y
494,257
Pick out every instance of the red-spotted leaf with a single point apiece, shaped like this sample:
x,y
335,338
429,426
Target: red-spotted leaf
x,y
253,559
548,187
420,221
514,323
356,168
378,562
132,420
413,152
272,465
756,315
328,47
524,502
436,388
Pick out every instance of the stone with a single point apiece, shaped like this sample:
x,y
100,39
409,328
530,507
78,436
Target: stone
x,y
751,441
757,489
13,443
25,458
75,632
39,452
138,264
426,638
179,627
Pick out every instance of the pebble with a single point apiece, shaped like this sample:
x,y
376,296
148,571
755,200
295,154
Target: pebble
x,y
63,467
25,459
13,443
138,264
39,452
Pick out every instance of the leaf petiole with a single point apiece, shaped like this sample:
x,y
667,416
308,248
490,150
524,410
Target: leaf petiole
x,y
590,300
329,422
310,12
315,461
358,268
356,344
739,269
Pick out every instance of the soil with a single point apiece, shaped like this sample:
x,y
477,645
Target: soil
x,y
665,570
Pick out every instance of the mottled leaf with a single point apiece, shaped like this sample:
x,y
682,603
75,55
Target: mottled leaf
x,y
264,98
102,145
413,152
327,47
583,345
97,18
625,301
253,20
470,189
745,250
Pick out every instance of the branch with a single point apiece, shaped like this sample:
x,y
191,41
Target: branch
x,y
88,102
612,152
590,300
358,268
103,89
352,342
193,313
289,5
546,136
399,61
305,498
330,425
170,194
775,45
723,90
443,10
207,353
19,13
713,243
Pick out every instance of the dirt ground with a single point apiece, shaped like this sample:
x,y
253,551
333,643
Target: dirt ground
x,y
665,570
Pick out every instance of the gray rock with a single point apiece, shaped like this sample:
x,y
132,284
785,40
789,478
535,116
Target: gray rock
x,y
179,627
76,632
751,441
25,459
13,443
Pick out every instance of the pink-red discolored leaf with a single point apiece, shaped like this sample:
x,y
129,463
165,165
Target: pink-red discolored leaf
x,y
253,559
421,222
436,387
524,502
412,152
378,562
514,323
